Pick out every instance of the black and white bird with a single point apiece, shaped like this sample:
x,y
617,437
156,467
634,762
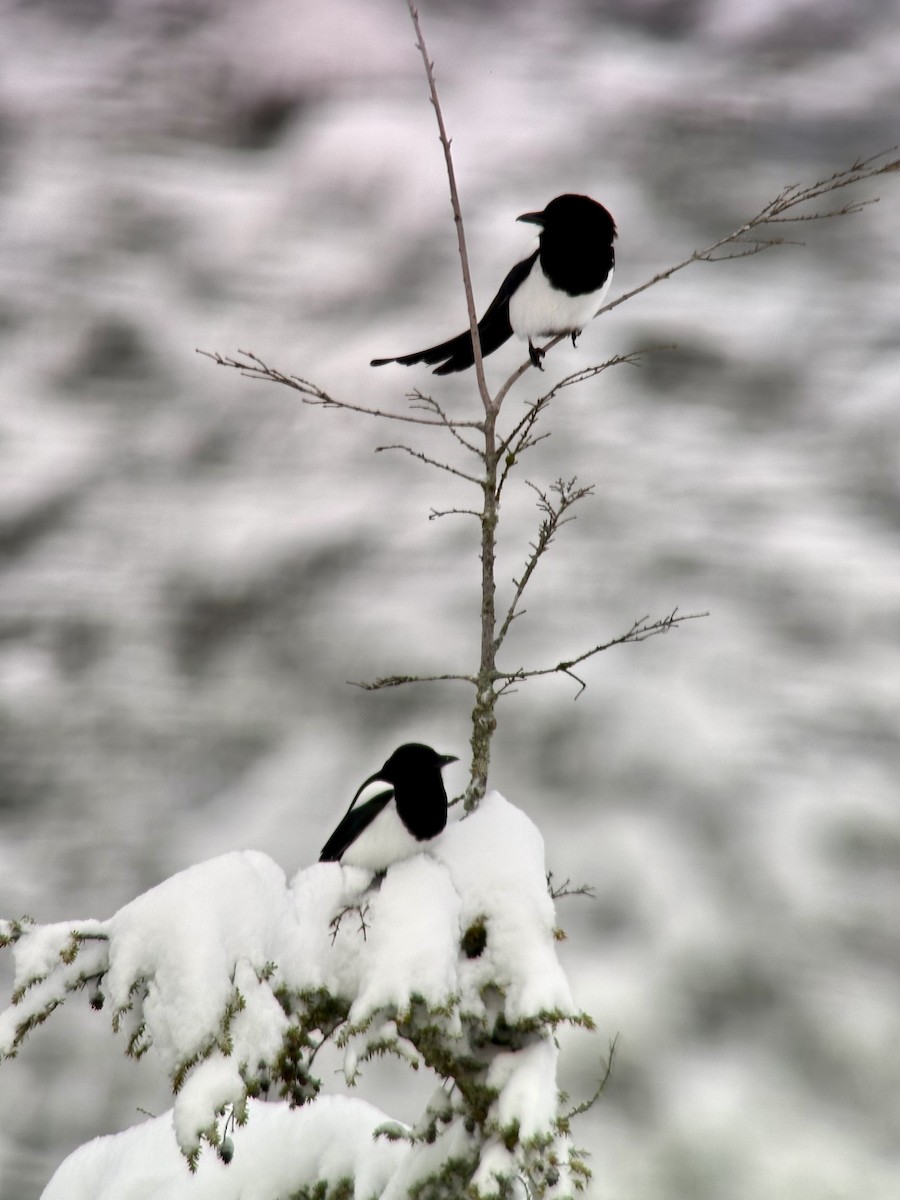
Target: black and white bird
x,y
402,805
558,289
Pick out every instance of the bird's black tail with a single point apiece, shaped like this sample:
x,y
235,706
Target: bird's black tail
x,y
458,353
493,330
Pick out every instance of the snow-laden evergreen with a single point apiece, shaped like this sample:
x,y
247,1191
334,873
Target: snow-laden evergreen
x,y
234,975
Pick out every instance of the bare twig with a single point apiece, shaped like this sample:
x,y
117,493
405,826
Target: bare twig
x,y
554,517
520,437
392,681
517,375
429,404
588,1104
773,213
335,923
633,358
642,629
457,210
453,512
564,889
432,462
251,366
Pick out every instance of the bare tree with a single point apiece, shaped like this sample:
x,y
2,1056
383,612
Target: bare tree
x,y
498,451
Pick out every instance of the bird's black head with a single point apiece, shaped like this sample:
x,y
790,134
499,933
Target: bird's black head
x,y
419,793
574,215
412,761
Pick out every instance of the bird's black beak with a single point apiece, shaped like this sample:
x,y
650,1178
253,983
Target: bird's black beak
x,y
532,218
446,759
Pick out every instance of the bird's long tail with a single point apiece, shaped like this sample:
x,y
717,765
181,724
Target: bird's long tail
x,y
493,330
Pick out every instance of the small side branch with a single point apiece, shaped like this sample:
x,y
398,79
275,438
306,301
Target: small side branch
x,y
633,359
391,681
775,213
522,437
642,629
429,404
362,910
554,516
251,366
432,462
585,1105
558,891
453,512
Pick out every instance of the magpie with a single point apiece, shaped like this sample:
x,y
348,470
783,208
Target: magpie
x,y
406,806
558,289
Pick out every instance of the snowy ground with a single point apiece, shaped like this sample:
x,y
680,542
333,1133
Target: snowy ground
x,y
193,565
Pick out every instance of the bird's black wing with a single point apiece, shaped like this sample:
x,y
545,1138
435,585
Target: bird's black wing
x,y
493,330
355,821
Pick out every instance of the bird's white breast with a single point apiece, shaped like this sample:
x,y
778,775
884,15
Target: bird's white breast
x,y
538,310
385,841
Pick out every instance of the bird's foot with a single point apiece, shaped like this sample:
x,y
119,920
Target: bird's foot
x,y
536,354
575,335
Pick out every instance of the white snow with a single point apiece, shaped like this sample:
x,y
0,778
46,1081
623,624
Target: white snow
x,y
186,937
38,950
207,1093
195,971
496,862
526,1081
412,948
276,1153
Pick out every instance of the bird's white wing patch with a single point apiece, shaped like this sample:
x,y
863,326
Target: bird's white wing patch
x,y
376,788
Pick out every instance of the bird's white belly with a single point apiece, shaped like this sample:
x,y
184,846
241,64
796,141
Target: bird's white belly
x,y
538,310
385,841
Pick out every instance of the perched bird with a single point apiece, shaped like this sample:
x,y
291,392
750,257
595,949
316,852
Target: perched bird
x,y
406,805
558,289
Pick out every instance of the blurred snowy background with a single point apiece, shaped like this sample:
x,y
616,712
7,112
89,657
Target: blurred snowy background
x,y
193,565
